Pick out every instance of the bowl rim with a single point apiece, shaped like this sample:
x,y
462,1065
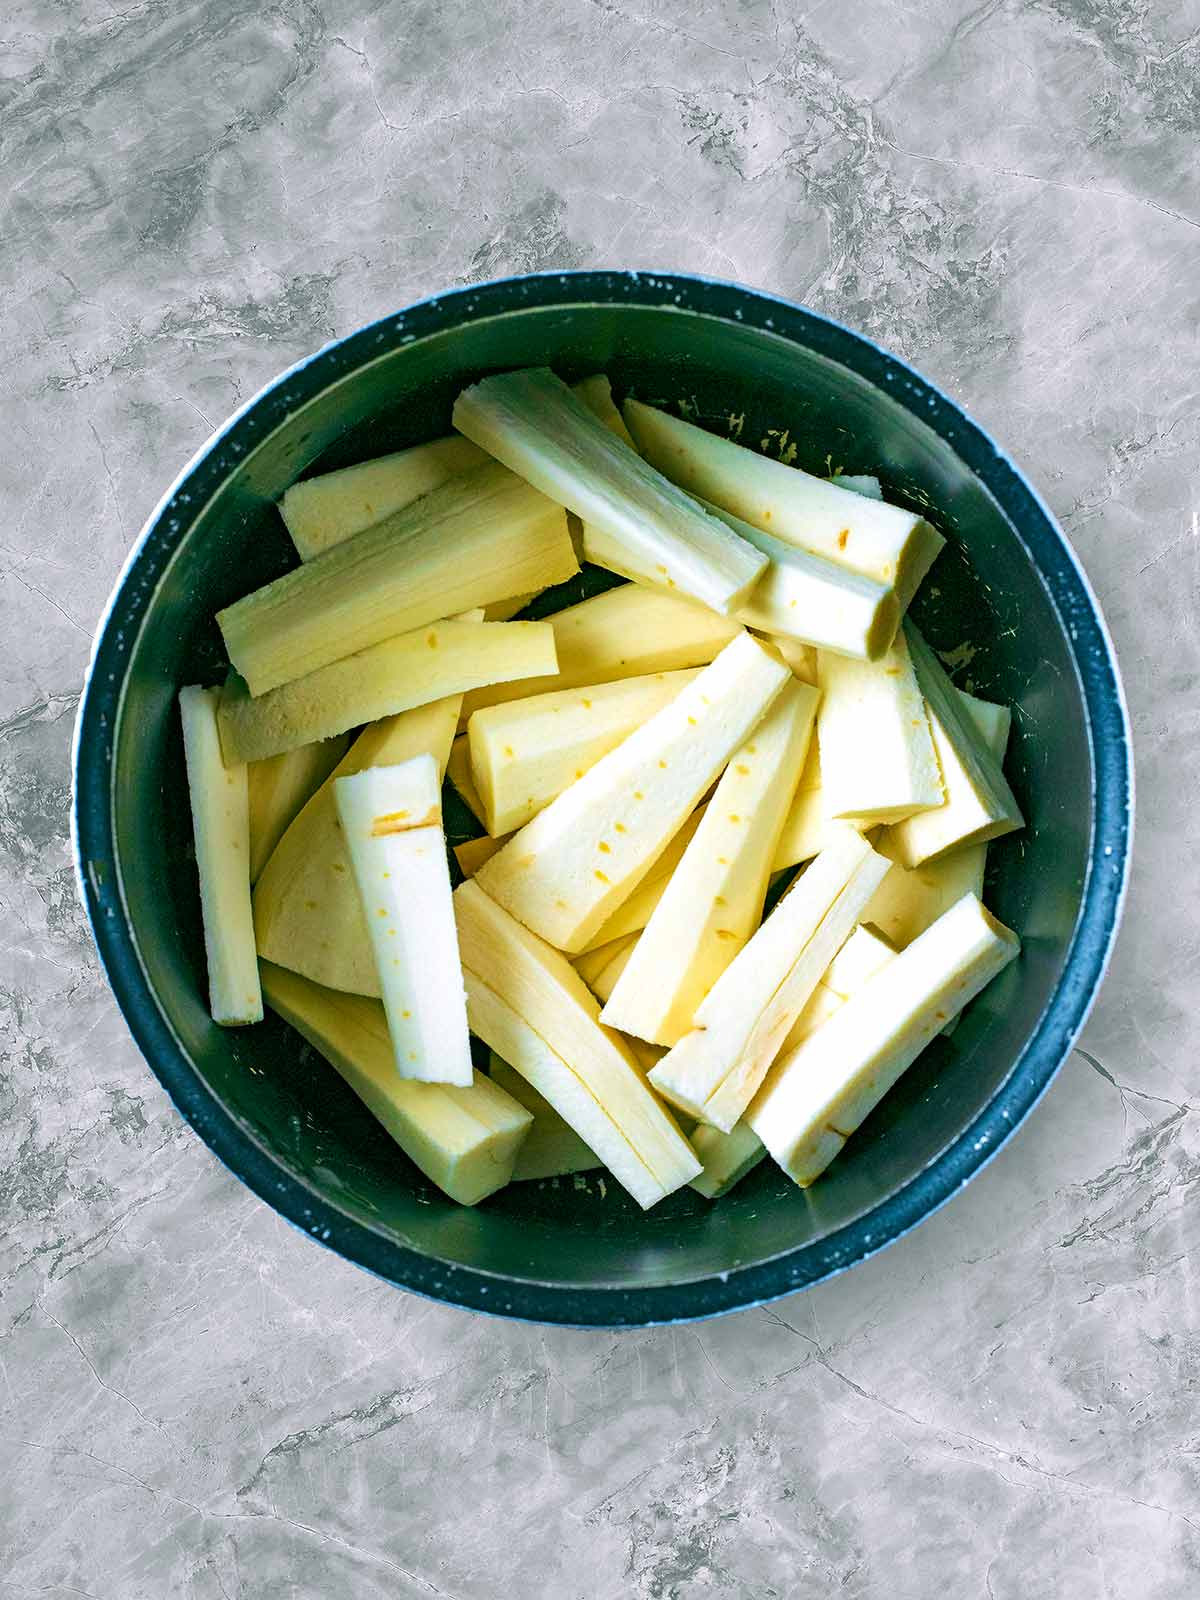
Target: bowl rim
x,y
740,1287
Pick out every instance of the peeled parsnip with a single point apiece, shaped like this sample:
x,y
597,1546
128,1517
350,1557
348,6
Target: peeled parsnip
x,y
279,786
551,1148
392,821
222,834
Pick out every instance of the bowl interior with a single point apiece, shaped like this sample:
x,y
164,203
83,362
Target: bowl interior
x,y
985,603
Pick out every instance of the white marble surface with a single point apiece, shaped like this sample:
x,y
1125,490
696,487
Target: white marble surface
x,y
194,1400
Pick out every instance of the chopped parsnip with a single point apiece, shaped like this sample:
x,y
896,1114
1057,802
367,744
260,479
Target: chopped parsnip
x,y
819,1093
465,1140
633,915
279,786
220,823
880,541
877,757
531,421
471,854
715,1069
392,821
307,912
551,1148
727,1157
527,1002
458,770
564,873
714,900
624,633
478,538
524,754
439,659
978,803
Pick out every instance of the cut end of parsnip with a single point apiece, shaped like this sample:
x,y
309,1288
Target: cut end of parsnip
x,y
392,821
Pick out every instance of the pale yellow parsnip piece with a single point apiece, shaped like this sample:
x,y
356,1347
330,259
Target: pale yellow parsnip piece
x,y
392,822
458,770
714,900
465,1140
819,1093
727,1157
632,915
279,786
551,1148
472,853
565,872
307,912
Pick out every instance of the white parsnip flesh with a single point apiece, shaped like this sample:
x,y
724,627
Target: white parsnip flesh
x,y
527,1002
307,912
877,758
458,770
727,1157
819,1093
531,421
524,754
465,1140
978,803
880,541
632,915
220,823
714,900
565,872
478,538
626,632
279,786
412,669
392,821
551,1148
716,1068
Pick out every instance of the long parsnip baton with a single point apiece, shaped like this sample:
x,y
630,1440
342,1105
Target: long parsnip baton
x,y
323,511
978,804
465,1140
392,821
877,758
524,754
820,1092
532,422
279,786
714,900
565,872
220,822
625,633
478,538
526,1002
880,541
307,912
412,669
632,915
728,1157
551,1148
716,1068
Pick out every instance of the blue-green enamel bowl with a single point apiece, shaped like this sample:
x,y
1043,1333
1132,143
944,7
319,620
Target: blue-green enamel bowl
x,y
1008,586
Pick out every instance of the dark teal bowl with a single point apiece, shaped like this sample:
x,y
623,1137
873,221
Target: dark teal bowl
x,y
1008,586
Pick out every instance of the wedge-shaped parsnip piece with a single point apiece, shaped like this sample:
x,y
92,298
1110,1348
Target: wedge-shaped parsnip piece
x,y
527,1002
633,914
440,659
727,1157
801,657
458,770
810,826
820,1092
551,1148
463,1140
880,541
714,900
472,853
978,804
220,823
715,1070
307,911
567,871
478,538
392,821
531,421
812,599
624,633
877,757
524,754
604,980
279,786
323,511
592,963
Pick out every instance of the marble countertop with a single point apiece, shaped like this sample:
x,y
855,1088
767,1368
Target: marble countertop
x,y
195,1401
